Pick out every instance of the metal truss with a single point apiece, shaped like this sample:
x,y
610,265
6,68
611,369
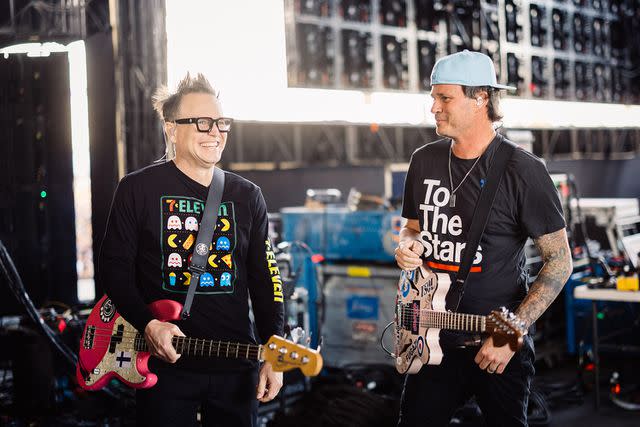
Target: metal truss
x,y
274,145
595,144
259,145
43,20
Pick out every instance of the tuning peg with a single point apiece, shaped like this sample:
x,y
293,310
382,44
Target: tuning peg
x,y
320,344
297,334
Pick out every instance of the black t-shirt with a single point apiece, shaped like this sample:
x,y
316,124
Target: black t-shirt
x,y
146,251
526,205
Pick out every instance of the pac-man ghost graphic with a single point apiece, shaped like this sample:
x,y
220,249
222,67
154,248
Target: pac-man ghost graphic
x,y
175,260
174,223
172,278
206,280
223,244
191,223
225,279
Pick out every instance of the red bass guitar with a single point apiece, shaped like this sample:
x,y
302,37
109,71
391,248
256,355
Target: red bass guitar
x,y
111,347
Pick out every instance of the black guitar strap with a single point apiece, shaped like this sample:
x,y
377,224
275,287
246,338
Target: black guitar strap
x,y
205,234
503,154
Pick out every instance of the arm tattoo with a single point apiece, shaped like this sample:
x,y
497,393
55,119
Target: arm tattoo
x,y
557,268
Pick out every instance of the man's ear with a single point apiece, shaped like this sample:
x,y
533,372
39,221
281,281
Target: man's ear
x,y
170,129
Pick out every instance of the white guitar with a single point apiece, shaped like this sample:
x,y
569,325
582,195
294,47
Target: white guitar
x,y
421,315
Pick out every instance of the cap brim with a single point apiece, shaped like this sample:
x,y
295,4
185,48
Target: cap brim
x,y
461,83
503,87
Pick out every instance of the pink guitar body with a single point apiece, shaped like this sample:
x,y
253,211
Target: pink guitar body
x,y
108,347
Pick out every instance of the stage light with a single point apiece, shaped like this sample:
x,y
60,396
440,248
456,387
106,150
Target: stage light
x,y
537,21
316,55
319,8
426,61
357,57
394,63
580,33
426,17
514,74
582,72
539,80
561,78
601,38
559,30
512,9
355,10
393,13
602,83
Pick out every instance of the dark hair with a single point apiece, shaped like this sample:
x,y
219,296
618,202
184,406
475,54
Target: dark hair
x,y
493,97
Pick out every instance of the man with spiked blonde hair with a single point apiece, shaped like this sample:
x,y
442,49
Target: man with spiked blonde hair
x,y
146,252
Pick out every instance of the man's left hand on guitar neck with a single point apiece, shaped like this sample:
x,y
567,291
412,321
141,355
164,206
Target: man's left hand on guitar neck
x,y
493,359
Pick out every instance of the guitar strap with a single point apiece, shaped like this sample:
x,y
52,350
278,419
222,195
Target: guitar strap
x,y
203,240
503,154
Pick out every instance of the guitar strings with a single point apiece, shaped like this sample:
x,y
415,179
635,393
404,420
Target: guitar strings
x,y
189,342
193,344
222,350
442,318
135,334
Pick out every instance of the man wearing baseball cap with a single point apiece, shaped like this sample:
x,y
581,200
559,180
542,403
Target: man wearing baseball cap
x,y
442,187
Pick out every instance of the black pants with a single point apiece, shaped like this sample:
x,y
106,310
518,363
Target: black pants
x,y
226,399
431,396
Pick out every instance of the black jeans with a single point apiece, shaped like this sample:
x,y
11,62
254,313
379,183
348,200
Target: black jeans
x,y
226,399
431,396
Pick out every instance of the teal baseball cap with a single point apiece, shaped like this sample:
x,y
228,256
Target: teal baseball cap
x,y
466,69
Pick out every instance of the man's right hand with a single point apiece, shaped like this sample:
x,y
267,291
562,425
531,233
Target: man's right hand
x,y
408,254
158,336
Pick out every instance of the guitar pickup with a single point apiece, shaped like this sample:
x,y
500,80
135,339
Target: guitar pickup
x,y
414,317
116,339
89,336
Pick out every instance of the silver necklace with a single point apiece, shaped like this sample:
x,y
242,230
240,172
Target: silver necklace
x,y
452,198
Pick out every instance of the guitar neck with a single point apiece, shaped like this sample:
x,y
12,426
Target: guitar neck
x,y
455,321
210,348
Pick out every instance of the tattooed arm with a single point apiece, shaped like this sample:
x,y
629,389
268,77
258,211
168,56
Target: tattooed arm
x,y
556,255
554,249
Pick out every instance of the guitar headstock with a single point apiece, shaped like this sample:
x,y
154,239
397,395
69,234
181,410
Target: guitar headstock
x,y
285,355
505,328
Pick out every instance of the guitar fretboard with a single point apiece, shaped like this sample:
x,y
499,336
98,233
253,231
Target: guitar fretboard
x,y
444,320
454,321
209,348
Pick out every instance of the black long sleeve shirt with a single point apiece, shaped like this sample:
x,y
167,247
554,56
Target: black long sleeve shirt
x,y
146,252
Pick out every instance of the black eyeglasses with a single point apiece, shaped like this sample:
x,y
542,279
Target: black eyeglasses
x,y
205,124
